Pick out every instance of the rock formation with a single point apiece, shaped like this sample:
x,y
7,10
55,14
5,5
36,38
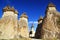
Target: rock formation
x,y
10,27
49,26
23,25
39,28
8,23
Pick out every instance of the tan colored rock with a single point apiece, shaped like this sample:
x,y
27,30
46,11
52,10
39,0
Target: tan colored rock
x,y
7,27
49,27
23,25
8,24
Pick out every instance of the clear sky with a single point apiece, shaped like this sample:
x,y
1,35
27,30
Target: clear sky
x,y
33,8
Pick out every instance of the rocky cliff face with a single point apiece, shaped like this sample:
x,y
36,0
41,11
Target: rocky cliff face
x,y
50,25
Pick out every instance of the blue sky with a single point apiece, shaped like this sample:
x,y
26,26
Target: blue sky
x,y
33,8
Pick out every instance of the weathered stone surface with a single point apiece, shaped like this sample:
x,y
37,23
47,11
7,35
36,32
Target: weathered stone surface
x,y
7,27
39,28
49,26
8,24
23,25
10,27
